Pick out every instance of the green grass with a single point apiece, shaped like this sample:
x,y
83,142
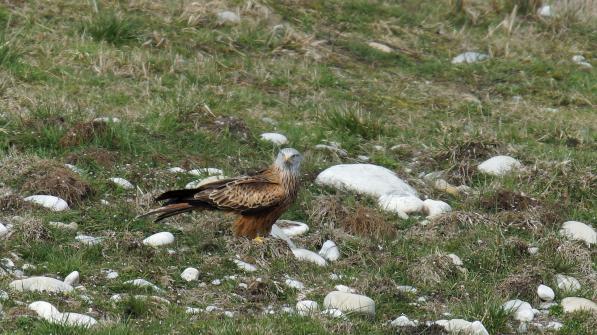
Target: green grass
x,y
199,95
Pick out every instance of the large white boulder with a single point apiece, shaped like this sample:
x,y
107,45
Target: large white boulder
x,y
48,201
275,138
46,284
573,304
579,231
48,312
349,302
499,165
292,228
367,179
329,250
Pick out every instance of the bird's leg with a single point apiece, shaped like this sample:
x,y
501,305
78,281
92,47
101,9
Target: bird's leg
x,y
259,240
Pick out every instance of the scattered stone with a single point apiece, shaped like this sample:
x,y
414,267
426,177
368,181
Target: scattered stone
x,y
573,304
333,313
3,296
523,311
244,266
292,228
547,305
104,202
112,275
368,179
292,283
88,240
335,149
462,327
60,225
216,282
139,282
275,138
444,186
48,312
401,204
499,165
455,259
159,239
3,230
380,47
107,119
545,293
469,57
73,168
308,256
207,171
344,288
567,283
122,183
545,11
51,202
435,208
307,307
190,274
176,170
193,310
199,183
407,289
229,314
533,250
72,279
579,231
329,250
580,60
7,263
349,302
363,158
46,284
243,285
403,321
228,17
334,276
554,325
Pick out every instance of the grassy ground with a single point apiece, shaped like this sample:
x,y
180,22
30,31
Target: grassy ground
x,y
193,93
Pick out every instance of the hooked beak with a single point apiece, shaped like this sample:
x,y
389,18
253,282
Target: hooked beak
x,y
287,159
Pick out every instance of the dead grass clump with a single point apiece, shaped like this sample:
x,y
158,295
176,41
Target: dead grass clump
x,y
422,329
13,203
264,291
576,253
523,284
31,229
230,124
433,269
329,212
95,156
518,246
451,224
82,133
47,177
507,200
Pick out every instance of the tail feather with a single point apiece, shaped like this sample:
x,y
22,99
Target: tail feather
x,y
169,210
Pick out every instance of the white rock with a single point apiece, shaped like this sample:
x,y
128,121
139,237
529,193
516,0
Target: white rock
x,y
580,60
363,158
207,171
243,285
68,226
122,183
333,313
462,327
403,321
28,266
522,310
139,282
193,310
216,282
212,308
159,239
308,256
77,320
380,47
573,304
400,204
567,283
579,231
88,240
73,168
292,228
48,201
205,181
469,57
407,289
434,208
40,284
307,307
7,263
229,314
547,305
112,275
176,170
533,250
349,302
228,17
104,202
72,279
455,259
329,250
3,296
344,288
244,265
106,119
499,165
3,230
545,11
335,149
545,293
274,138
292,283
368,179
477,328
554,325
190,274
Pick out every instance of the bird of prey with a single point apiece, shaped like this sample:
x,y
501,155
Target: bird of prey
x,y
259,199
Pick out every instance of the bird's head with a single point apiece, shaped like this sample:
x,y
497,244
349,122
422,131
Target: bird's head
x,y
289,159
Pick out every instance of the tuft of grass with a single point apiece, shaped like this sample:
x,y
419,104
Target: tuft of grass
x,y
9,56
113,28
354,121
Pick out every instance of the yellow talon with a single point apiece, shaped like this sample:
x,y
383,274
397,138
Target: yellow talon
x,y
259,240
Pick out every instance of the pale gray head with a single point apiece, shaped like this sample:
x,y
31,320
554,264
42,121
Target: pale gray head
x,y
289,160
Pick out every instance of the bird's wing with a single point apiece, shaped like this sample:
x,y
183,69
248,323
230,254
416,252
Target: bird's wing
x,y
245,194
